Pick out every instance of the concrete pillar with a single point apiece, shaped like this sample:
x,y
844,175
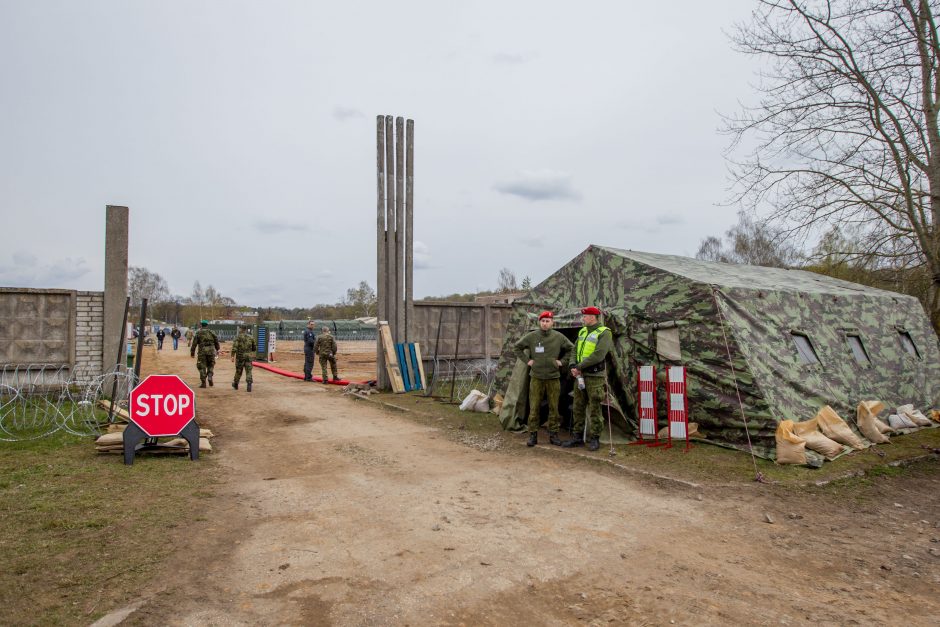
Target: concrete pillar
x,y
115,280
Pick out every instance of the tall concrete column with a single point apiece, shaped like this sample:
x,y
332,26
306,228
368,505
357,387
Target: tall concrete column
x,y
115,281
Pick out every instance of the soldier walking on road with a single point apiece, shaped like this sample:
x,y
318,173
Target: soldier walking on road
x,y
189,336
243,350
589,366
310,339
543,351
325,347
208,345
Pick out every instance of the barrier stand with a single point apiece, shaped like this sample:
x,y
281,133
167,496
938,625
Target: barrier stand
x,y
646,392
678,406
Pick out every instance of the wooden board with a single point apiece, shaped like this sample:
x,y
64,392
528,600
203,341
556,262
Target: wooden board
x,y
422,379
391,359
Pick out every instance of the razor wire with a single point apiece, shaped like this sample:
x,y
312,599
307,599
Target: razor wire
x,y
39,400
467,375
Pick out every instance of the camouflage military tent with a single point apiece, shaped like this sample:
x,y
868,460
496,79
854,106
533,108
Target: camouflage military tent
x,y
797,340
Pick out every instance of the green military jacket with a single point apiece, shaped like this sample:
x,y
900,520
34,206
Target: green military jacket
x,y
244,346
605,343
543,348
325,345
206,341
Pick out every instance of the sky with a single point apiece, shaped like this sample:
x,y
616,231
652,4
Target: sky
x,y
241,135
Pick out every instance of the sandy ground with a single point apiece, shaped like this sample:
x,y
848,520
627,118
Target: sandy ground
x,y
339,512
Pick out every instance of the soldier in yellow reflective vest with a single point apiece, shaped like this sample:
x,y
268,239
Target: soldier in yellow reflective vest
x,y
589,367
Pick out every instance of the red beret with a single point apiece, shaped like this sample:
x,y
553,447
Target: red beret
x,y
591,311
546,314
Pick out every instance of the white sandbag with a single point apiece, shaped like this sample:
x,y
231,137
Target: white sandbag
x,y
915,416
900,421
474,397
482,405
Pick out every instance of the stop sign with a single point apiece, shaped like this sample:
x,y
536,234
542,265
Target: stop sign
x,y
162,405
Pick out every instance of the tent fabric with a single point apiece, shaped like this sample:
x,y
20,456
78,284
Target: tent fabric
x,y
750,313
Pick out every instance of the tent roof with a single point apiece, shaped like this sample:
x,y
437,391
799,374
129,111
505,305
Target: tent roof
x,y
750,277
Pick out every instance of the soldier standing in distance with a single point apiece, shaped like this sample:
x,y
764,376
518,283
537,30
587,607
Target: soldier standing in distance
x,y
325,347
589,366
208,345
243,350
543,351
189,336
310,339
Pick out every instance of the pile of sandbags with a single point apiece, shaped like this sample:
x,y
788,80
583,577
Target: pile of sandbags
x,y
908,418
113,442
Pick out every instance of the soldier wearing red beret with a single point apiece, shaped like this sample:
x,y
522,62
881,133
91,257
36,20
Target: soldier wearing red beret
x,y
544,351
589,366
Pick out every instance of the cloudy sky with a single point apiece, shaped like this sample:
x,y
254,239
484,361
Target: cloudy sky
x,y
242,136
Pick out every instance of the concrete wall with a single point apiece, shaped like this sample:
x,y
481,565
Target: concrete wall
x,y
481,330
56,328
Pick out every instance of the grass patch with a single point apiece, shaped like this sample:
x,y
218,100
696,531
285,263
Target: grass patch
x,y
82,533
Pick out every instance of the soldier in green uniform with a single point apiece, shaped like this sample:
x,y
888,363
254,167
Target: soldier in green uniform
x,y
208,345
543,350
244,348
325,347
589,366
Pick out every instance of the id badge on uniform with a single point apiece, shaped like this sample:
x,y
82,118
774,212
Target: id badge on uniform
x,y
539,349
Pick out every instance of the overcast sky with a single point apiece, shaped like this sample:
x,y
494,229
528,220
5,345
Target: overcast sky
x,y
242,137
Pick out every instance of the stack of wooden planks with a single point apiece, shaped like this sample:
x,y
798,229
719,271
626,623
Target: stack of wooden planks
x,y
402,362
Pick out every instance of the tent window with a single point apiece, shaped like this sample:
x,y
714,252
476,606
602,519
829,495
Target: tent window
x,y
858,349
908,343
667,344
805,348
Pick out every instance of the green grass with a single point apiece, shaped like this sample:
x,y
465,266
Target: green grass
x,y
81,532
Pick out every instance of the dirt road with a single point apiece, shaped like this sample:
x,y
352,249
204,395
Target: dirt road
x,y
335,511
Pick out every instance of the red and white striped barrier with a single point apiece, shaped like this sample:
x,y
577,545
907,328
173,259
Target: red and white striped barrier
x,y
646,393
678,406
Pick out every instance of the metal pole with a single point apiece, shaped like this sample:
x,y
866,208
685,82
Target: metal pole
x,y
399,228
381,286
409,232
121,356
140,342
453,368
437,344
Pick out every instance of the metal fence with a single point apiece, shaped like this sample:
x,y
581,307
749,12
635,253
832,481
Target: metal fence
x,y
38,400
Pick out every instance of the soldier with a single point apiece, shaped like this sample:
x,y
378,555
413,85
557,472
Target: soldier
x,y
325,347
310,339
589,366
243,350
189,336
208,345
543,351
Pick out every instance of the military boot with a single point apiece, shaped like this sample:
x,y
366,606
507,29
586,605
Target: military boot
x,y
594,443
202,383
249,386
210,381
533,439
553,438
234,385
576,440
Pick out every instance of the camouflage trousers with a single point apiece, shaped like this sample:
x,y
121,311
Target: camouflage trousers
x,y
324,359
589,399
548,388
205,364
243,363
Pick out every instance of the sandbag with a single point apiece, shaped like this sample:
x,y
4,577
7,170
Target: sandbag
x,y
497,404
111,439
834,428
807,426
882,426
817,441
914,415
935,415
865,417
474,401
900,421
791,449
663,433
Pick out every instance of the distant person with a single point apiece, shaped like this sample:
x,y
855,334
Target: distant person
x,y
589,367
244,348
160,335
543,351
176,335
325,347
310,342
208,345
189,337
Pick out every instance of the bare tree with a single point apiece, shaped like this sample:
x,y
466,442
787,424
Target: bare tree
x,y
507,281
142,283
750,242
846,131
362,298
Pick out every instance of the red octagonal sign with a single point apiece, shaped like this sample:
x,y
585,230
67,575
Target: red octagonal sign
x,y
162,405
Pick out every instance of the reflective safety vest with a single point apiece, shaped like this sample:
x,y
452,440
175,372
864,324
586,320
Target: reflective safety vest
x,y
587,342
